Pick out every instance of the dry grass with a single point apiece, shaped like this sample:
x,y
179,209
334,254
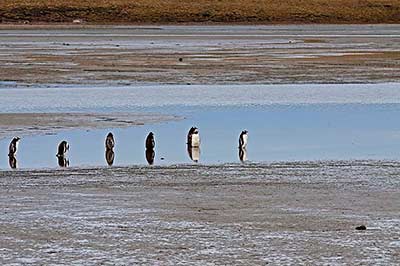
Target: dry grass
x,y
186,11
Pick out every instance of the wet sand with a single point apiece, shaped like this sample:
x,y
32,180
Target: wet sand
x,y
132,55
282,213
23,124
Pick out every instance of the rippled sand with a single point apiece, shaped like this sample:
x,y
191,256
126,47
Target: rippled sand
x,y
281,213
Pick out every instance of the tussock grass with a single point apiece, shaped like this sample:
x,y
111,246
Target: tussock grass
x,y
186,11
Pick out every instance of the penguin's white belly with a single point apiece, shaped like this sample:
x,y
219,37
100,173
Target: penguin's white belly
x,y
195,140
245,137
244,141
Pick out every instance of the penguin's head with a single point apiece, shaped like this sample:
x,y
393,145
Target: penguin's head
x,y
195,130
244,131
17,139
110,135
151,134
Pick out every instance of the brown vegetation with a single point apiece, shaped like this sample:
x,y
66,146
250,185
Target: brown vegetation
x,y
186,11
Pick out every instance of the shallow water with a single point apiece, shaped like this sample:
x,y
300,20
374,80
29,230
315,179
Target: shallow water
x,y
181,98
276,133
285,122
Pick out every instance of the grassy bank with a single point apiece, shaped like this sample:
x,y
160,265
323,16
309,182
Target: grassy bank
x,y
186,11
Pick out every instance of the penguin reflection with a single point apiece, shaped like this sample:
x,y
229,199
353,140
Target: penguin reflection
x,y
12,160
63,161
110,155
242,154
150,145
194,153
150,154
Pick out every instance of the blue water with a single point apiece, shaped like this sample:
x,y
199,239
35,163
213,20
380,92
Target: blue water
x,y
276,133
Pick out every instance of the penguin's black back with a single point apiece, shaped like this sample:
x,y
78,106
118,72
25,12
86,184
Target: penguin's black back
x,y
150,143
62,148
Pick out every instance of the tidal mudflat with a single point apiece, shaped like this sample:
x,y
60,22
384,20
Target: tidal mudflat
x,y
322,154
282,213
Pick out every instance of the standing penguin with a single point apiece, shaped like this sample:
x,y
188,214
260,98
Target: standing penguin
x,y
12,149
243,139
63,148
110,143
150,143
193,137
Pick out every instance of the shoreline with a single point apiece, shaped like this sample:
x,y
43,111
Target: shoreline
x,y
290,165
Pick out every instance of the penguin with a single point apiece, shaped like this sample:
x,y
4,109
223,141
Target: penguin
x,y
62,161
243,139
110,155
12,149
63,148
150,154
110,143
193,137
150,143
12,161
